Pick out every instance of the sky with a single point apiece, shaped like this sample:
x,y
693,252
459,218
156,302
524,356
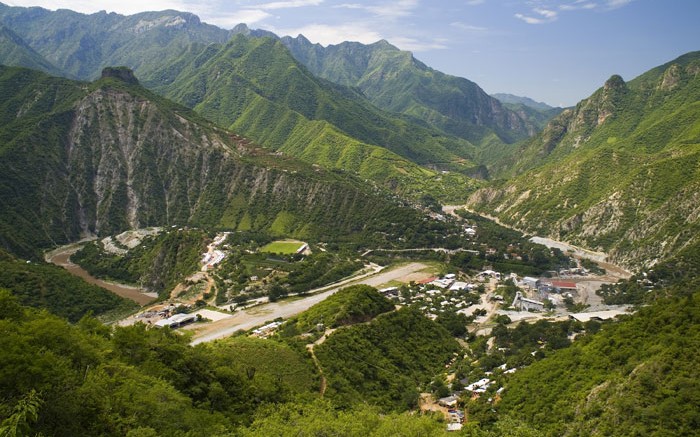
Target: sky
x,y
555,51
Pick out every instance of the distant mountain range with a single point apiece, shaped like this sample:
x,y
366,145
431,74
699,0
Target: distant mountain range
x,y
437,121
519,100
614,172
395,81
619,172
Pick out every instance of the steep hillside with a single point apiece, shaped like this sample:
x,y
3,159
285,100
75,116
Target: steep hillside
x,y
14,51
619,172
395,81
254,86
537,113
52,288
83,159
635,377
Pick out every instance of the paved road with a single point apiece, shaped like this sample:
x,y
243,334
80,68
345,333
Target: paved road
x,y
259,315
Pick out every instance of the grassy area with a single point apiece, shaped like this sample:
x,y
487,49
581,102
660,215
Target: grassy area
x,y
283,246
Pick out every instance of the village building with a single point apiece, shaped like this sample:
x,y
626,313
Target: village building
x,y
522,303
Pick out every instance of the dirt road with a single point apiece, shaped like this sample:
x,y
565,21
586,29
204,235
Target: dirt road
x,y
259,315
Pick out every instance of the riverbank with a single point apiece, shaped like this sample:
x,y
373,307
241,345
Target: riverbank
x,y
579,252
61,257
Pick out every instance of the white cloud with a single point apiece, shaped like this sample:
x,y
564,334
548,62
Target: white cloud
x,y
414,45
289,4
530,20
546,13
545,16
474,2
325,34
227,21
389,10
468,27
614,4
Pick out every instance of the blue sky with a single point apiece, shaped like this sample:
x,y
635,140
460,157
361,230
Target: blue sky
x,y
556,51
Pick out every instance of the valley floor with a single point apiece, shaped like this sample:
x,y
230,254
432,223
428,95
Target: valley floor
x,y
247,319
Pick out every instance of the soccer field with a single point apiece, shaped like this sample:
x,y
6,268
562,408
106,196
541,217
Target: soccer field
x,y
283,246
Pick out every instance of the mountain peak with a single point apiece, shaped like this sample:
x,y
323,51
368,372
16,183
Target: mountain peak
x,y
124,74
241,28
615,82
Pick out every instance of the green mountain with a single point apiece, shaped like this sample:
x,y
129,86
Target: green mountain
x,y
635,377
537,113
46,286
82,45
286,107
255,87
618,173
520,100
395,81
81,159
14,51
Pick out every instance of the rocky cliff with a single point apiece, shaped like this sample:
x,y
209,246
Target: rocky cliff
x,y
117,157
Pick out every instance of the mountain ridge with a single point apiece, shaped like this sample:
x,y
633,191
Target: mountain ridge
x,y
112,155
618,172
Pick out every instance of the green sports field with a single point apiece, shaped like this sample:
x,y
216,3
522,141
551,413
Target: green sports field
x,y
283,246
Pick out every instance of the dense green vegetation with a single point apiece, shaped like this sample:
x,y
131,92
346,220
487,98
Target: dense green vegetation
x,y
186,171
80,46
506,250
254,86
350,305
677,276
41,285
617,173
14,51
243,275
383,362
320,417
87,379
395,81
637,375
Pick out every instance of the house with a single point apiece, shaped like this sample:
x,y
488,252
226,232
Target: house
x,y
454,426
458,286
449,401
524,304
490,273
176,321
563,286
531,283
596,315
479,386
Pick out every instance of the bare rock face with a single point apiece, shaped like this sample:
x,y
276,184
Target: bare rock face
x,y
124,74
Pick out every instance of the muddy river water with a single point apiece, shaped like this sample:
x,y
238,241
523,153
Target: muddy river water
x,y
61,257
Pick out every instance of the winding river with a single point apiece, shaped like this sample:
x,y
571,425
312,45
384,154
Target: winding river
x,y
61,257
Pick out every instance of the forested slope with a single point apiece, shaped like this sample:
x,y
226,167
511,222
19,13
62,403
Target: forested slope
x,y
84,159
618,173
635,377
